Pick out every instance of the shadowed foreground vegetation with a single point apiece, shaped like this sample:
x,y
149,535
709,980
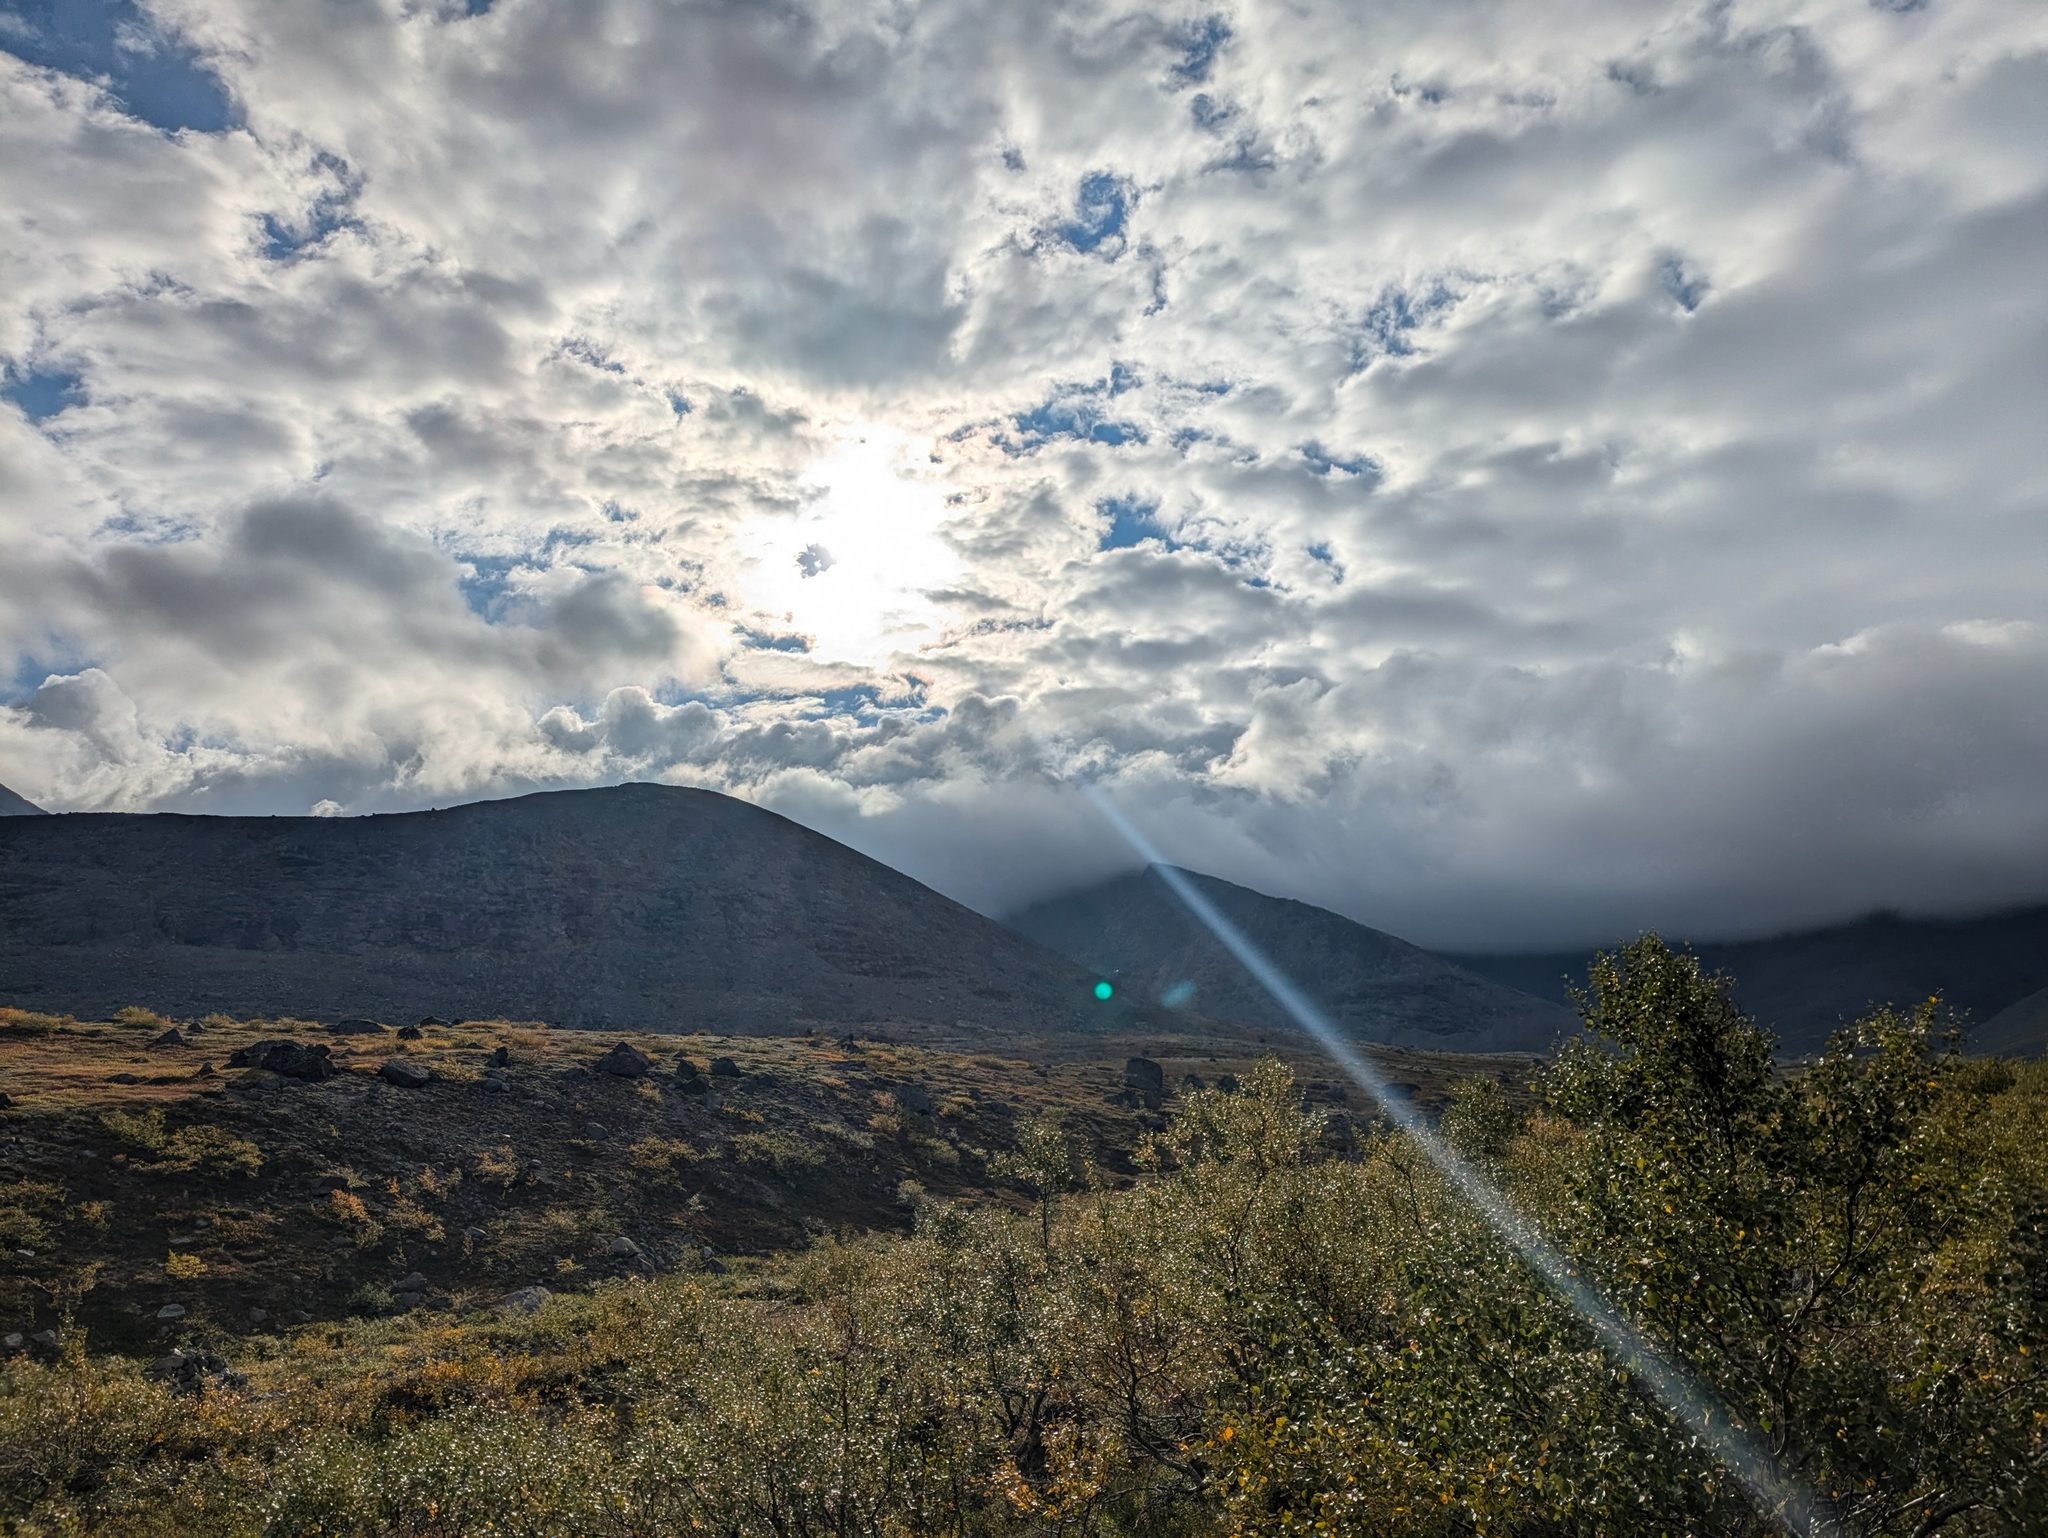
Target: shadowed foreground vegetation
x,y
1263,1336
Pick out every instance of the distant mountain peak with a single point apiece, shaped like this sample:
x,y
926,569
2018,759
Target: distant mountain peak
x,y
13,805
1374,986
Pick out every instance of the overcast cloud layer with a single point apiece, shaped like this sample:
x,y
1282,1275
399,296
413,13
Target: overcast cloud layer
x,y
1514,472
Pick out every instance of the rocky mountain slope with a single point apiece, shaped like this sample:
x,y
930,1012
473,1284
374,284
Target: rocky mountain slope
x,y
13,805
1377,987
642,906
1806,984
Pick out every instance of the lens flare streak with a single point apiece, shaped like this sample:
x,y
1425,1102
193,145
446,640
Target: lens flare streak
x,y
1671,1385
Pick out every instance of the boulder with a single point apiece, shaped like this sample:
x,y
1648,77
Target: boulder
x,y
525,1300
171,1311
6,1100
687,1072
1141,1074
287,1058
1227,1082
914,1097
124,1078
44,1337
474,1235
408,1033
170,1038
430,1020
355,1028
12,1341
405,1075
412,1281
623,1248
596,1131
502,1058
258,1315
724,1068
624,1062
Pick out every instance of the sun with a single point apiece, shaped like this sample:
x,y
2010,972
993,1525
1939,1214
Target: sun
x,y
853,570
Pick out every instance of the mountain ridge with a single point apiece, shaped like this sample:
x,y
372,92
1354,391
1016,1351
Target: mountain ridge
x,y
1375,986
643,906
1807,983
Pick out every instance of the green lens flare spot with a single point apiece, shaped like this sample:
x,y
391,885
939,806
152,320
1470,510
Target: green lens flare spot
x,y
1103,990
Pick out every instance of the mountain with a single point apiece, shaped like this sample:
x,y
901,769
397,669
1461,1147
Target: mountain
x,y
1806,984
12,805
1372,985
641,905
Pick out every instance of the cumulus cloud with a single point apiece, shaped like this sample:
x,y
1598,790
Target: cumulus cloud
x,y
1512,474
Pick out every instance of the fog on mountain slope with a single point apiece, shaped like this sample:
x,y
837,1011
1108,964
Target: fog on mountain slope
x,y
15,805
1807,984
640,905
1374,986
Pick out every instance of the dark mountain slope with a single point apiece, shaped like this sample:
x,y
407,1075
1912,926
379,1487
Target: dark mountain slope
x,y
641,905
1374,986
1806,984
12,805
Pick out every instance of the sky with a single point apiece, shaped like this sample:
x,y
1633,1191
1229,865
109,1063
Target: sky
x,y
1513,471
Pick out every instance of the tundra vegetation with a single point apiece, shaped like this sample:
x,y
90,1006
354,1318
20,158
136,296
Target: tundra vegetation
x,y
1269,1331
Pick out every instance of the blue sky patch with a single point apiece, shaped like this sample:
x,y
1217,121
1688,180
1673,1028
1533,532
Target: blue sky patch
x,y
42,393
766,641
1132,521
1199,46
1684,284
1102,206
1383,331
1323,462
1075,415
152,74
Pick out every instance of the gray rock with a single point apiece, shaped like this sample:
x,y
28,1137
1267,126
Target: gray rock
x,y
687,1072
407,1300
1227,1082
6,1100
170,1038
397,1070
429,1020
623,1248
412,1282
12,1341
724,1068
408,1033
44,1337
171,1311
322,1184
124,1078
258,1315
1141,1074
914,1097
596,1131
474,1235
624,1061
24,1254
526,1299
502,1058
287,1058
356,1027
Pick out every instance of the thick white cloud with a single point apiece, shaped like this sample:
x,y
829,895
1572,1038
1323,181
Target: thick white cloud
x,y
1510,471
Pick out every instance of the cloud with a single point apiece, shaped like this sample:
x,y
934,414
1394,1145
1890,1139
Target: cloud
x,y
1513,474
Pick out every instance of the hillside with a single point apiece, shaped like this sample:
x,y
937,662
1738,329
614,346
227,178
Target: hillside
x,y
641,906
1804,985
1377,987
13,805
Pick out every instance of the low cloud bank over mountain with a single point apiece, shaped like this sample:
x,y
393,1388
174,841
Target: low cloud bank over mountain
x,y
1511,475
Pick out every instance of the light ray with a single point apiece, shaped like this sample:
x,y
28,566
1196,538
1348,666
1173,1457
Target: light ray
x,y
1668,1381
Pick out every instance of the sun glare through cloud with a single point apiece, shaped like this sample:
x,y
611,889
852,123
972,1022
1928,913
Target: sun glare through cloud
x,y
853,570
